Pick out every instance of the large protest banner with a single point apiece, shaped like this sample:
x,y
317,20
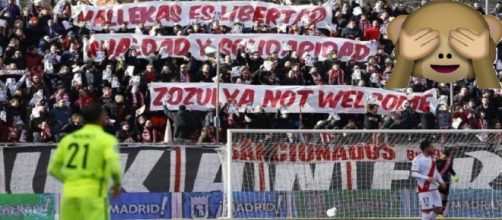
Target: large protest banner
x,y
185,12
116,45
294,99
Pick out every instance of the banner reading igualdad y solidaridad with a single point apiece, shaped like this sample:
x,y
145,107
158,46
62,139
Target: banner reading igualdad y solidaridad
x,y
265,44
185,12
293,99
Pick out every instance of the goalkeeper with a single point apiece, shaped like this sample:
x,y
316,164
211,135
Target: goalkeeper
x,y
445,168
84,162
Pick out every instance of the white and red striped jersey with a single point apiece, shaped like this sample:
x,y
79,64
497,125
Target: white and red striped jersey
x,y
422,168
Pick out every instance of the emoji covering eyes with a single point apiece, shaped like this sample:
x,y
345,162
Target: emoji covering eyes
x,y
444,41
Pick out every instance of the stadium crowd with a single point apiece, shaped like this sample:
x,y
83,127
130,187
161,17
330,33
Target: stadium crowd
x,y
40,98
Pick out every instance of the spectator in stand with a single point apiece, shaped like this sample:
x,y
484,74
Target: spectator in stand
x,y
336,75
351,31
486,107
443,117
482,121
371,119
373,33
478,7
428,120
12,10
59,116
17,133
74,123
84,98
497,11
46,134
463,97
351,125
257,119
125,134
150,133
182,124
409,116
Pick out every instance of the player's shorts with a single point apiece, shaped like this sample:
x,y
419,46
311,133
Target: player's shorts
x,y
86,208
430,200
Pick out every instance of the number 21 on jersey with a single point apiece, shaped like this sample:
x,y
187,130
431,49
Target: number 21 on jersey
x,y
78,156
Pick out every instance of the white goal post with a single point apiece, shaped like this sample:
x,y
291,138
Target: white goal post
x,y
354,174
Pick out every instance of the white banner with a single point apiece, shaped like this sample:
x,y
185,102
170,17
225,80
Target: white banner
x,y
265,44
186,12
13,72
293,99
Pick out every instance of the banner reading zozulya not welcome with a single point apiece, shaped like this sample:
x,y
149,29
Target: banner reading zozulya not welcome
x,y
294,99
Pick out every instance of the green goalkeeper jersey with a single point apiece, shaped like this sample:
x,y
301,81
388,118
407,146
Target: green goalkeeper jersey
x,y
85,161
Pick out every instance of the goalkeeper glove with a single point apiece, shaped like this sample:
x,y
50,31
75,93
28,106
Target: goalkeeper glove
x,y
455,179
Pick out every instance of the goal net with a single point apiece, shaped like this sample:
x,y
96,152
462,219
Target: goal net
x,y
355,173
